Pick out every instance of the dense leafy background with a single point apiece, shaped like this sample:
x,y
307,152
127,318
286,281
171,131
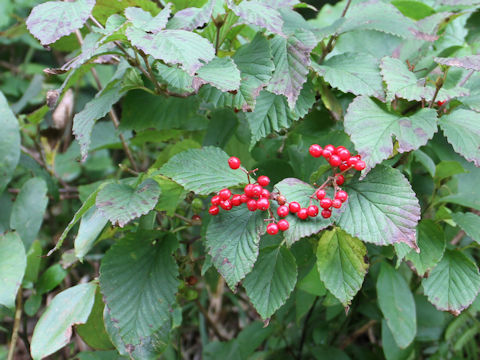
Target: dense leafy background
x,y
118,118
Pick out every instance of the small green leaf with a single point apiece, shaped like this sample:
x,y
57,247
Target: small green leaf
x,y
34,257
415,10
191,18
221,73
272,280
121,203
398,307
453,284
203,170
91,226
54,328
143,20
446,169
470,223
172,194
341,264
9,143
50,279
13,262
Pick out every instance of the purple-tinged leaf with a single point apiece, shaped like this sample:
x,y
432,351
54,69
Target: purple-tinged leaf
x,y
52,20
256,12
278,4
381,209
291,57
221,73
182,47
371,128
143,20
471,62
192,18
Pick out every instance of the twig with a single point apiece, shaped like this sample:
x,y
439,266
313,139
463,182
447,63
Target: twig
x,y
329,46
304,330
457,237
150,71
211,323
357,333
16,325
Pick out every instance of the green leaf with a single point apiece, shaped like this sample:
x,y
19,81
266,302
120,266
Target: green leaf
x,y
390,347
415,10
97,108
291,57
398,307
426,161
52,20
453,284
299,191
28,210
255,12
172,194
471,62
143,20
13,262
91,226
54,328
431,242
371,128
272,280
462,131
138,280
203,170
341,264
50,279
312,284
232,240
356,73
121,203
9,143
470,223
34,257
221,73
381,209
105,8
191,18
446,169
186,48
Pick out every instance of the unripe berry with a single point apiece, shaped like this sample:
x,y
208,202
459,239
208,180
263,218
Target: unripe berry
x,y
315,150
335,160
226,204
263,180
312,210
252,205
263,204
234,163
326,203
281,200
337,204
215,200
283,211
360,165
265,194
236,200
302,213
321,194
326,214
214,210
225,194
272,228
344,154
283,225
341,195
339,179
248,190
294,207
256,190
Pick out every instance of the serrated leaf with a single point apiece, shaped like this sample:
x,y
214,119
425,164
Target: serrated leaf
x,y
272,280
431,242
54,328
256,12
13,263
186,48
203,170
397,304
232,240
415,10
291,57
177,79
52,20
471,62
91,226
9,143
341,264
121,203
356,73
371,128
462,131
453,284
138,280
381,209
299,191
191,18
28,210
221,73
143,20
470,223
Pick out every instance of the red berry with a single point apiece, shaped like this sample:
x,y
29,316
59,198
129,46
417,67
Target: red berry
x,y
236,200
281,200
294,207
283,225
272,228
265,194
248,190
344,154
339,148
315,150
440,103
302,213
326,214
326,153
283,211
234,163
214,210
243,198
337,204
256,190
341,195
252,205
321,194
330,148
263,204
352,161
312,210
215,200
263,180
360,165
226,204
196,217
335,160
225,194
343,166
326,203
339,179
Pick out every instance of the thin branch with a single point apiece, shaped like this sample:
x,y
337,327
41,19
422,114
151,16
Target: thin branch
x,y
16,325
357,333
210,322
304,330
334,37
150,71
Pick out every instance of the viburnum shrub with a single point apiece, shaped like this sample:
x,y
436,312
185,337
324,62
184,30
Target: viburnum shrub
x,y
239,179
